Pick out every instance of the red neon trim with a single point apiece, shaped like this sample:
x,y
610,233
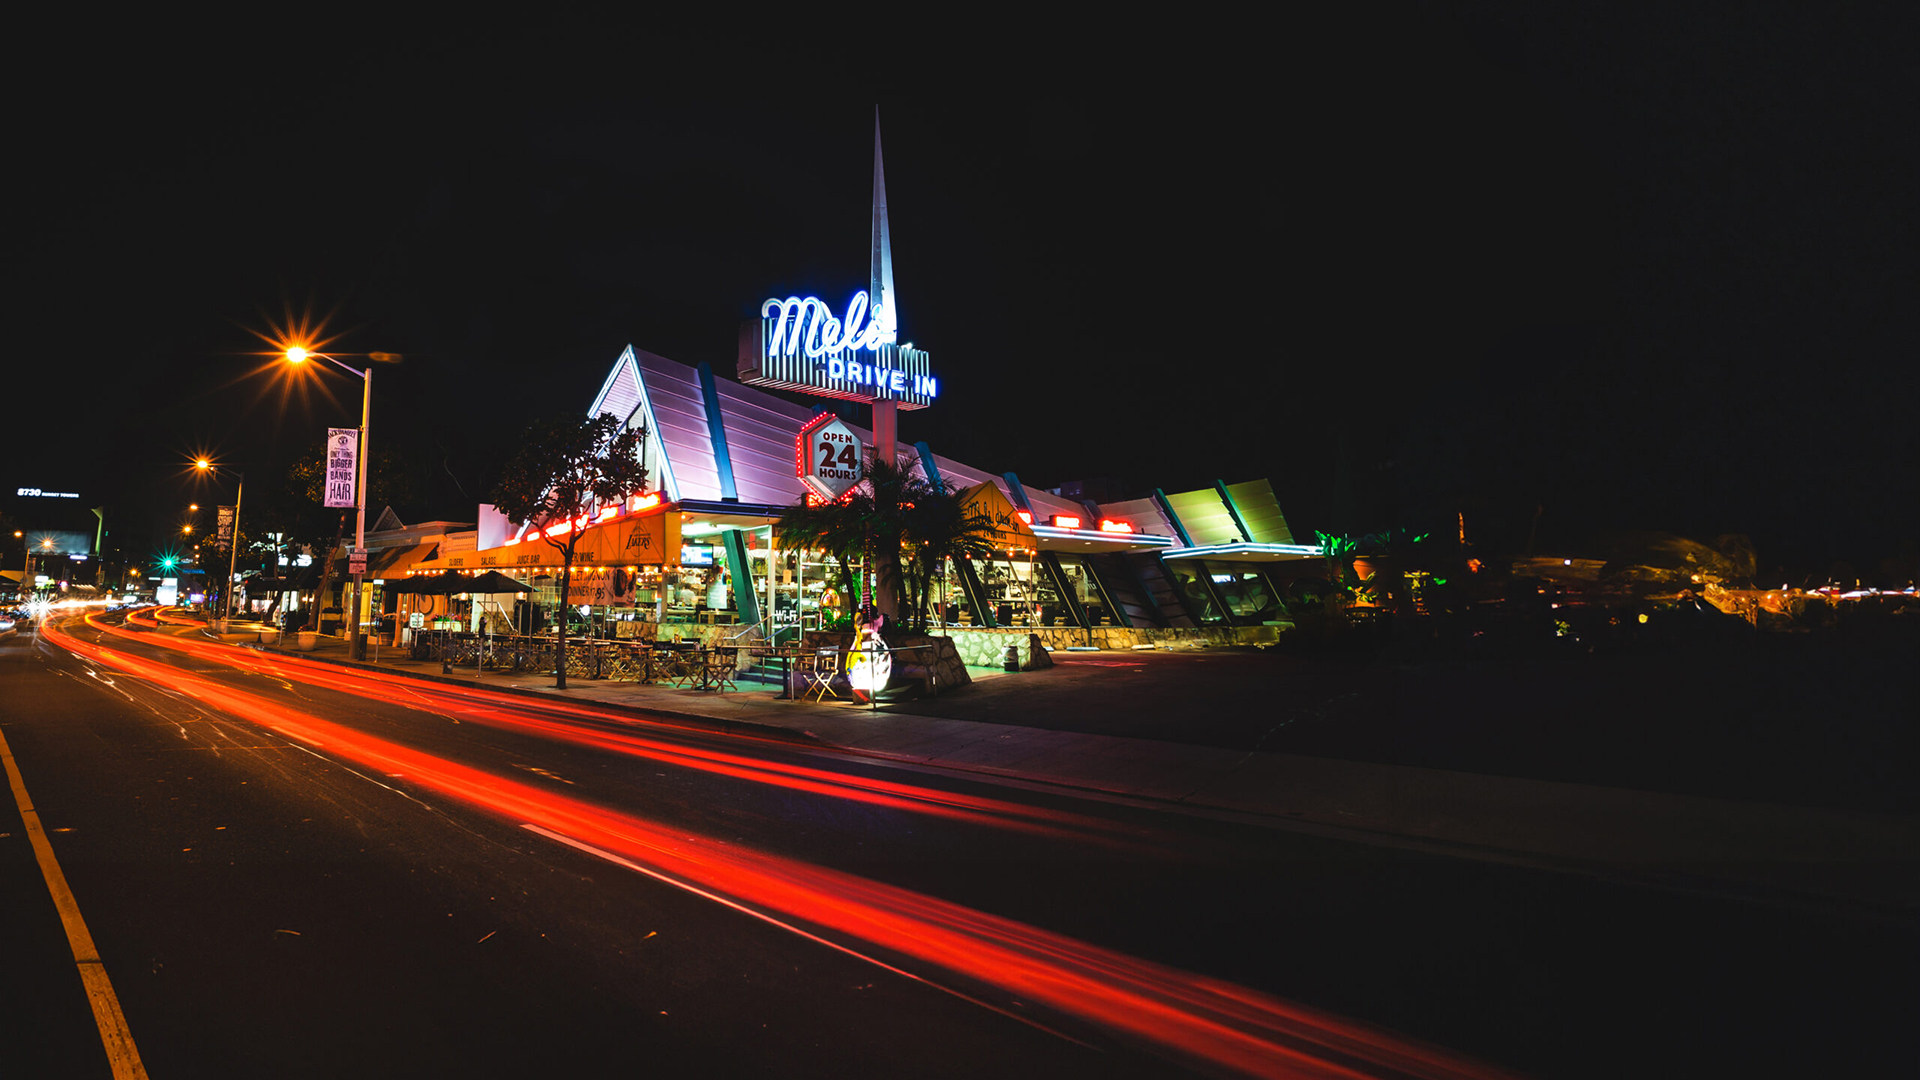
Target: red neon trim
x,y
1024,515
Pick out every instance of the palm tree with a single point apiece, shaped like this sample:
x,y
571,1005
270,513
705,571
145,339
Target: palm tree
x,y
941,525
893,514
829,527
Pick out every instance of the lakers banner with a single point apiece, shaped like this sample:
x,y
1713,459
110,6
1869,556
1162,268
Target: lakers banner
x,y
653,540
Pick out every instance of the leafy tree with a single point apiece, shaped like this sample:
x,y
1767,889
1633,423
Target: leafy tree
x,y
566,468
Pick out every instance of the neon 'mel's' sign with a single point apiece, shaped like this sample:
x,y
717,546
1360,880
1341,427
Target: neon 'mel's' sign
x,y
808,327
802,345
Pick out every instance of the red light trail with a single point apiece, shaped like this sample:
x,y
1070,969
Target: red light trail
x,y
1204,1021
514,713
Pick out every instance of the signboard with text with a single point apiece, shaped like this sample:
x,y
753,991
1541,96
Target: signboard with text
x,y
342,465
827,457
602,586
801,345
223,531
632,540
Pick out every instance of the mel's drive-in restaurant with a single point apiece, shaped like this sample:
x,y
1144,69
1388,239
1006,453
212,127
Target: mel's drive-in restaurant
x,y
700,554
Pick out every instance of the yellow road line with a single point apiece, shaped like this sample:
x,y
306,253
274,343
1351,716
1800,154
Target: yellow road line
x,y
114,1035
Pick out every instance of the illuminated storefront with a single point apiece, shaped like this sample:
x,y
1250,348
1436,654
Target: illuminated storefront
x,y
726,460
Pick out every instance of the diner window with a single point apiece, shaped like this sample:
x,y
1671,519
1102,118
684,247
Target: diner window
x,y
1248,599
1189,577
953,607
1018,596
1086,589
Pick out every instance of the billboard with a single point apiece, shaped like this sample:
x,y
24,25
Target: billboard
x,y
58,542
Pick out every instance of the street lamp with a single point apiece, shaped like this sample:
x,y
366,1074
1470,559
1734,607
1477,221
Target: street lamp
x,y
297,355
233,538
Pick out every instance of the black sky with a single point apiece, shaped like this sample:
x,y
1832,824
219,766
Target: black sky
x,y
1645,273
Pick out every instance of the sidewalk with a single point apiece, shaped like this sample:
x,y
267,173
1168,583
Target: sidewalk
x,y
1855,860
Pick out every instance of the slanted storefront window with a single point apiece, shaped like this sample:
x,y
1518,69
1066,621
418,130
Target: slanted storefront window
x,y
1086,590
1249,600
1190,577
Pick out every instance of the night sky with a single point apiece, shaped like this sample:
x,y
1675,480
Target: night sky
x,y
1652,273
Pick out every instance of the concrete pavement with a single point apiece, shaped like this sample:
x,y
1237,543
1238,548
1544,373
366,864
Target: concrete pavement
x,y
1857,861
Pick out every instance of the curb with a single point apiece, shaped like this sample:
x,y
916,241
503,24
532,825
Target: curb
x,y
720,724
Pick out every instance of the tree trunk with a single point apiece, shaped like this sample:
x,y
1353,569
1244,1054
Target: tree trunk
x,y
326,570
560,651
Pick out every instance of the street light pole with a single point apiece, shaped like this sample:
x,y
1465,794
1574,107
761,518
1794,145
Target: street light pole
x,y
357,647
233,537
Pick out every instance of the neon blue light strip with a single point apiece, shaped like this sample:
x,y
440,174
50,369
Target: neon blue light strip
x,y
1056,533
1240,549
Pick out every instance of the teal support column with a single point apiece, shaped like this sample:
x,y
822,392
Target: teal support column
x,y
1017,491
976,593
1061,585
746,598
1233,511
930,467
717,433
1172,518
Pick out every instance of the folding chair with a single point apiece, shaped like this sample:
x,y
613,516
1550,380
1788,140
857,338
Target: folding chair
x,y
723,664
817,674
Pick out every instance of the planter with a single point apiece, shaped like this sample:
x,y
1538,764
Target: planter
x,y
306,640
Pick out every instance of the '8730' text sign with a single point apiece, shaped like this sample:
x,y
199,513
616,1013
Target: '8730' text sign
x,y
827,457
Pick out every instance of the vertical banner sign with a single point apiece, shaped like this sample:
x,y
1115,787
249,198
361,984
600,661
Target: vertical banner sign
x,y
223,532
343,452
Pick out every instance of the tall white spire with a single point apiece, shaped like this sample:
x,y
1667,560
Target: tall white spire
x,y
880,284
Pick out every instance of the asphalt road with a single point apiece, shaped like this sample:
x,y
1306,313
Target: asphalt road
x,y
269,904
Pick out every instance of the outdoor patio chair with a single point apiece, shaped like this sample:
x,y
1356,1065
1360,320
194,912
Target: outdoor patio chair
x,y
680,667
722,665
817,673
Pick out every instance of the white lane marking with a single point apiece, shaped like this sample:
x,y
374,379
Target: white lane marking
x,y
363,776
790,928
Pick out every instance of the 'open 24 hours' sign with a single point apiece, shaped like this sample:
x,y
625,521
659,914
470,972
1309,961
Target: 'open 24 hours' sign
x,y
827,457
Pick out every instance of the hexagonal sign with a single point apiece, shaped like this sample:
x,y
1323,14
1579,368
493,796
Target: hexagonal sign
x,y
827,457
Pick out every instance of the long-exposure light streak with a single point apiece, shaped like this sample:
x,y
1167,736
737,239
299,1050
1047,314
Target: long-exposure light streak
x,y
510,712
1192,1017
